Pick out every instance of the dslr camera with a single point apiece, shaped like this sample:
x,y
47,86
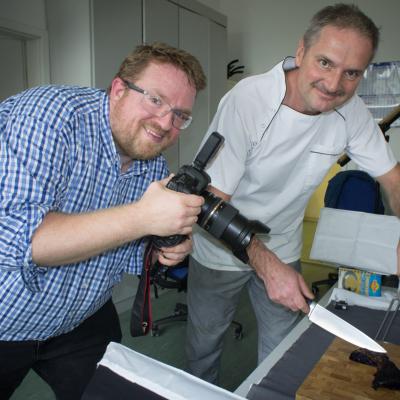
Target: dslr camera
x,y
219,218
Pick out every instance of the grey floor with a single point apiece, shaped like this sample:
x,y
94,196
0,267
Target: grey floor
x,y
239,356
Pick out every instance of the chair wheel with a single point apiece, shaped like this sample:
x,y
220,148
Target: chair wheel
x,y
180,309
239,333
155,331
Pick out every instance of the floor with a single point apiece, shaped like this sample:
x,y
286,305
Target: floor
x,y
239,356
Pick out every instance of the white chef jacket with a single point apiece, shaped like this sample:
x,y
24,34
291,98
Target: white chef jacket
x,y
274,157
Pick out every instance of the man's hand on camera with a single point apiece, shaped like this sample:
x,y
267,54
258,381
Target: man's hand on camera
x,y
171,256
168,212
283,284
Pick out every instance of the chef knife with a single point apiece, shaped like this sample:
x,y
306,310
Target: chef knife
x,y
339,327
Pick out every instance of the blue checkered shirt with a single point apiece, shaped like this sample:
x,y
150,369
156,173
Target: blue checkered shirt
x,y
57,154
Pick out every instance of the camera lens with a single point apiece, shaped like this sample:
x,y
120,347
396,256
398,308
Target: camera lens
x,y
219,218
224,221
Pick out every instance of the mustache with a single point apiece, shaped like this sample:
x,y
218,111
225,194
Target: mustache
x,y
320,86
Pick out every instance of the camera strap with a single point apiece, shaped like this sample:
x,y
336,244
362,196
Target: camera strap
x,y
141,316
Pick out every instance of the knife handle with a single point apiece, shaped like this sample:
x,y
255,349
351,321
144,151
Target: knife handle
x,y
311,304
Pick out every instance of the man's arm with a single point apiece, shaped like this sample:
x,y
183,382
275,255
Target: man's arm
x,y
283,284
68,238
391,185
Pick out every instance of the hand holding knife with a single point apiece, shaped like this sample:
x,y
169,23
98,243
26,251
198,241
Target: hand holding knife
x,y
286,286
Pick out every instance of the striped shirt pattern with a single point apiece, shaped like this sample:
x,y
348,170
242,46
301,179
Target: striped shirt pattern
x,y
57,154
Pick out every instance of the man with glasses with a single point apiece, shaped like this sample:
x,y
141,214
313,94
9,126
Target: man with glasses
x,y
157,106
283,131
82,183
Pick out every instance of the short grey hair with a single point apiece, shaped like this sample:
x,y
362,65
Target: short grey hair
x,y
342,16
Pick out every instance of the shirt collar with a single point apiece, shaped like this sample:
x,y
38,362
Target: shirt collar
x,y
110,150
289,63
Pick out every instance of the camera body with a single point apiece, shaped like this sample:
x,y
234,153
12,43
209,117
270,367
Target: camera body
x,y
189,180
219,218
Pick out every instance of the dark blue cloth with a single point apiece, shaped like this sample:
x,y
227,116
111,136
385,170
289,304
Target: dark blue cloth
x,y
107,385
356,191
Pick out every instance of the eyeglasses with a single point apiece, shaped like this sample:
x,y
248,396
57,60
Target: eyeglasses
x,y
155,105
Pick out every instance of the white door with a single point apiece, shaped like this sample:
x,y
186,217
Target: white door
x,y
13,66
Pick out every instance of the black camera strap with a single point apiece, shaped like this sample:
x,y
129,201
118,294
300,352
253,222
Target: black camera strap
x,y
141,317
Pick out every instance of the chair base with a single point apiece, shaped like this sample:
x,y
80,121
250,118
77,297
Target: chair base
x,y
180,315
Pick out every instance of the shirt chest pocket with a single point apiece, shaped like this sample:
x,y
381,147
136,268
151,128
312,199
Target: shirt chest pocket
x,y
319,160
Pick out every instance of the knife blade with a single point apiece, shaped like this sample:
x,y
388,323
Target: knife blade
x,y
341,328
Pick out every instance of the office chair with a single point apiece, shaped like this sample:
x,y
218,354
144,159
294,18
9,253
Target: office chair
x,y
170,278
176,278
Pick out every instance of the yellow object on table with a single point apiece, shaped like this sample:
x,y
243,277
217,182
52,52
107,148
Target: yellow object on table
x,y
361,282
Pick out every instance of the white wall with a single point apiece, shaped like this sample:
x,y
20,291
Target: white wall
x,y
70,42
257,34
25,12
263,32
25,21
215,4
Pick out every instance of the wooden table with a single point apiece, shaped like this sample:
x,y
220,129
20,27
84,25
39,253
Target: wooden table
x,y
335,376
282,373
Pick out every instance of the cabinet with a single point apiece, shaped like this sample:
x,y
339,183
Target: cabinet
x,y
194,36
202,32
88,39
116,30
161,22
